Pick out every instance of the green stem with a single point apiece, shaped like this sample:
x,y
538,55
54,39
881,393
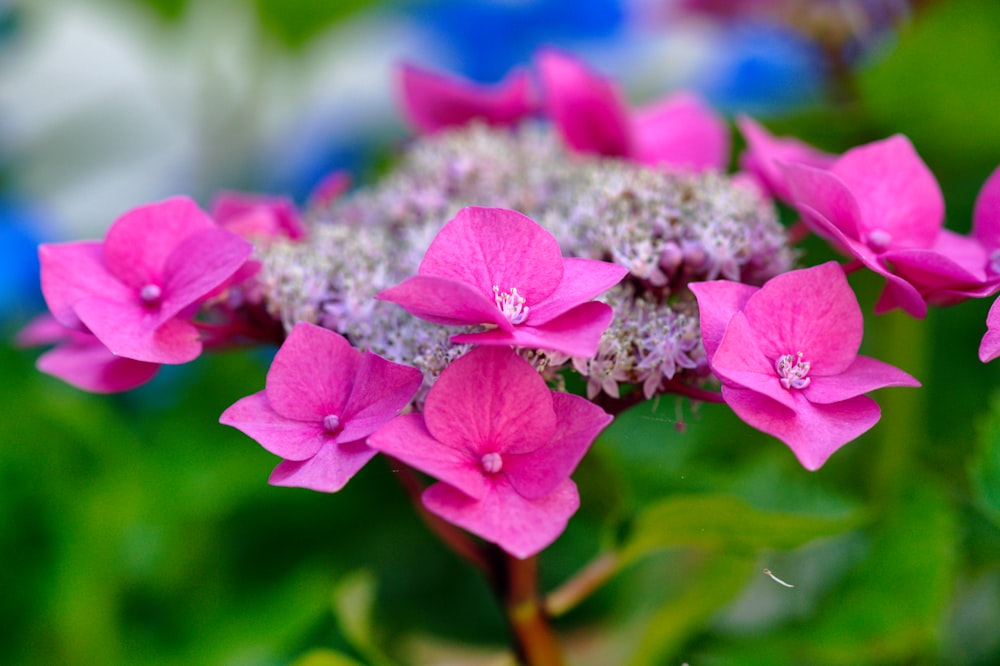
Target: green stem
x,y
534,640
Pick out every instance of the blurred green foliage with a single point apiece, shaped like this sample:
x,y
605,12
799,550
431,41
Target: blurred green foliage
x,y
135,529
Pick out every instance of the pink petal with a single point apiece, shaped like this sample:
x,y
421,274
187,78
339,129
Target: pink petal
x,y
739,362
718,301
810,310
575,333
895,191
680,131
199,264
586,108
490,400
255,417
257,215
955,261
537,473
71,272
85,363
864,375
582,280
381,389
520,526
824,201
138,243
433,102
986,216
43,330
330,188
445,301
487,247
989,348
312,374
812,431
129,330
406,438
764,152
328,471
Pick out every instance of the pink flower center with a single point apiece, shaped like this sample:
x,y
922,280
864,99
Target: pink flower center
x,y
330,423
492,463
879,240
793,371
511,304
150,294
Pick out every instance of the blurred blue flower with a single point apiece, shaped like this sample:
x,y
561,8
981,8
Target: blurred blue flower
x,y
763,68
486,39
20,233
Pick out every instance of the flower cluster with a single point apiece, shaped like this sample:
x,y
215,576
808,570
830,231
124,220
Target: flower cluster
x,y
527,234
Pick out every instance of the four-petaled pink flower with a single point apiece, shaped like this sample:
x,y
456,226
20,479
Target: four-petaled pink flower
x,y
502,446
137,290
434,101
880,203
787,356
986,228
321,401
678,131
499,268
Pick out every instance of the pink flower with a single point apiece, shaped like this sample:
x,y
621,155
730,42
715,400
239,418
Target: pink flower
x,y
433,102
787,356
765,152
502,446
499,268
138,289
986,228
79,358
592,117
322,399
880,203
256,216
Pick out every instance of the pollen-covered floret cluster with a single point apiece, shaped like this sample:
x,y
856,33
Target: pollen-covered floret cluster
x,y
667,228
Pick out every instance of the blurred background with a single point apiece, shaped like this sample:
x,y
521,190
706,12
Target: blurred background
x,y
135,529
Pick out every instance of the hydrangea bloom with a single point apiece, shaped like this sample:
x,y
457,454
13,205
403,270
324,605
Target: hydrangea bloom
x,y
434,102
503,446
498,267
138,289
322,399
589,112
787,356
880,203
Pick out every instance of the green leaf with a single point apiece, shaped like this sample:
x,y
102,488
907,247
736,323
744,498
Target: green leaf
x,y
938,85
720,579
353,602
722,522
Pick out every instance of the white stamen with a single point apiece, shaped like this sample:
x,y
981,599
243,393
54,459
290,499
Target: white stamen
x,y
792,371
776,579
511,304
331,422
879,240
150,293
492,463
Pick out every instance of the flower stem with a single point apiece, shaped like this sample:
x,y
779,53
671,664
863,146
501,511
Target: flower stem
x,y
534,640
